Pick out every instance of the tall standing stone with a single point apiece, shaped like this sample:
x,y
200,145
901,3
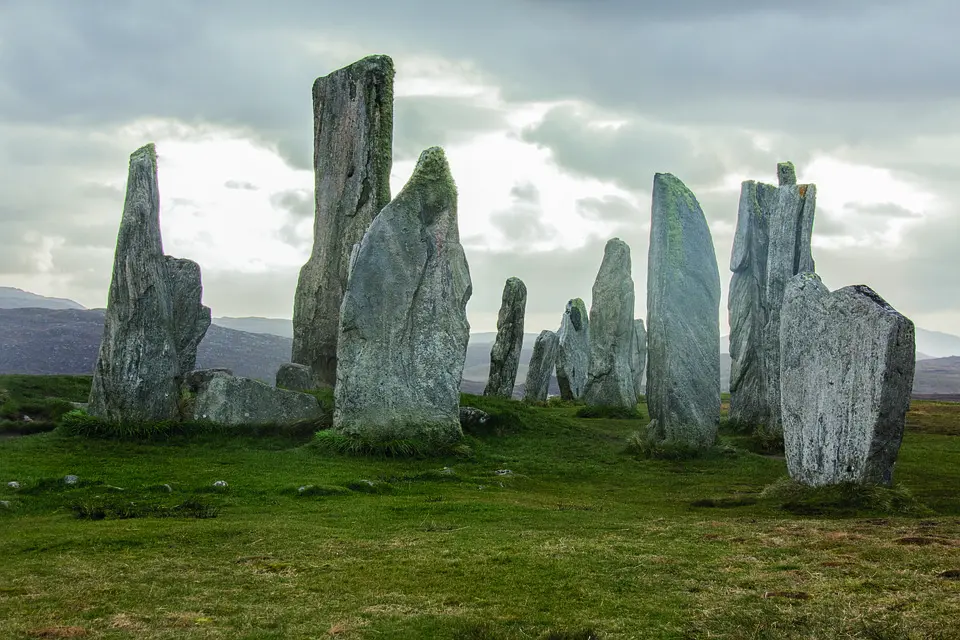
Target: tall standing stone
x,y
772,244
540,369
638,352
573,351
154,319
847,368
505,353
683,329
610,375
352,157
403,324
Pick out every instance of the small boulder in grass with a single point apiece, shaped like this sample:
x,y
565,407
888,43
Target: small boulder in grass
x,y
4,504
71,479
220,484
13,485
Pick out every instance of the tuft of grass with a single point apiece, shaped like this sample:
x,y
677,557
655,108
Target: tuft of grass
x,y
638,444
844,499
507,416
317,490
34,404
609,413
98,508
330,441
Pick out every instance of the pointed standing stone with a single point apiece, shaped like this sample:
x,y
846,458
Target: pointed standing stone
x,y
683,331
505,353
610,375
540,370
573,352
847,368
638,363
352,157
154,318
772,244
403,324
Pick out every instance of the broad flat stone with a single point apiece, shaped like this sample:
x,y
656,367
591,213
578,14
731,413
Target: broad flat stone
x,y
847,368
610,376
505,353
352,157
573,352
771,245
683,307
540,369
231,400
404,330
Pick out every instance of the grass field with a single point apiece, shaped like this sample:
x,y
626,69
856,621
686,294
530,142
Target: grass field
x,y
550,530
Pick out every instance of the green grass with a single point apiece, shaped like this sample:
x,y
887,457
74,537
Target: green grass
x,y
551,529
33,404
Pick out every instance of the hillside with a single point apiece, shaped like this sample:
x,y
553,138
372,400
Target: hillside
x,y
13,298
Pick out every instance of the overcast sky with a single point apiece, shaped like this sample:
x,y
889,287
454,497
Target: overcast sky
x,y
555,114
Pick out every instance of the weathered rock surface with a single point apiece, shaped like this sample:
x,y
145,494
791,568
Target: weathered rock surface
x,y
638,352
352,157
472,418
541,366
683,307
505,353
195,380
772,244
154,319
847,366
573,352
610,375
296,377
230,400
404,328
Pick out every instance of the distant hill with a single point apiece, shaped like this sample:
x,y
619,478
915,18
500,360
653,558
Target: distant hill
x,y
13,298
67,341
254,324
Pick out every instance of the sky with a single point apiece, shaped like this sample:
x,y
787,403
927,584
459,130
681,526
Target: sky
x,y
555,115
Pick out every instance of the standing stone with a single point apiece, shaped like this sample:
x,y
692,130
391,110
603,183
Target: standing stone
x,y
505,353
540,369
772,244
191,318
846,374
638,352
403,326
683,331
154,319
573,352
610,374
352,157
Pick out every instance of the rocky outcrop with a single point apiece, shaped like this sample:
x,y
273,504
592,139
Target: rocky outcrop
x,y
218,397
772,244
573,351
683,332
638,352
610,375
541,366
403,326
296,377
352,158
505,353
846,370
154,319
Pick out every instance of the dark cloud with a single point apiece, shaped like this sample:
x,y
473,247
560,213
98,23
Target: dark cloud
x,y
426,121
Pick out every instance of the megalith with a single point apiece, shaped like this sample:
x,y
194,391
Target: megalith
x,y
573,350
540,369
505,353
403,324
683,308
225,399
638,353
154,318
846,374
352,158
610,374
771,245
293,376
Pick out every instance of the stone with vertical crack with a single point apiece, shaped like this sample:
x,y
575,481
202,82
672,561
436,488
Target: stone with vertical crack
x,y
638,353
573,351
352,157
505,352
540,369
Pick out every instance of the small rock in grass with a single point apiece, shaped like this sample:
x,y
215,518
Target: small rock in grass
x,y
168,488
5,504
220,483
447,471
71,479
503,472
13,484
305,488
